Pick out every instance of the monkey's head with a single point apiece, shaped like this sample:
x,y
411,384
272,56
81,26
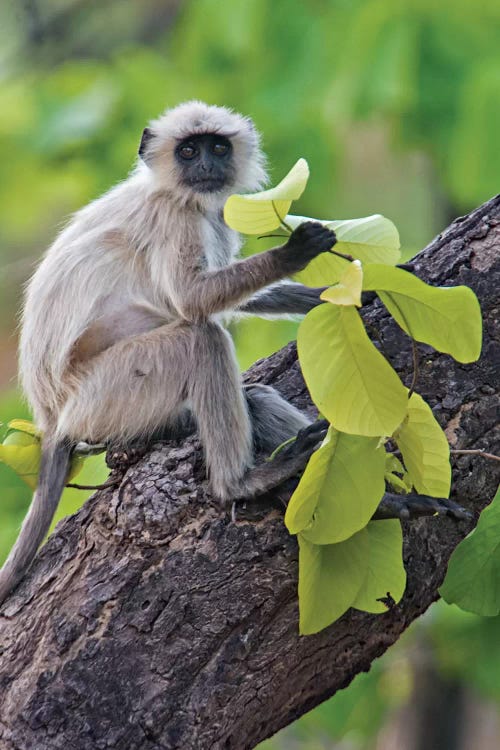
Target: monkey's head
x,y
203,152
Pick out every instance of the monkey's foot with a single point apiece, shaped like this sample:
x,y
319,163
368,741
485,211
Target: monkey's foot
x,y
289,461
89,449
410,506
119,458
306,441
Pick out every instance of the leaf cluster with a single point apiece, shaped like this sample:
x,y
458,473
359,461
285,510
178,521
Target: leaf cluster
x,y
346,559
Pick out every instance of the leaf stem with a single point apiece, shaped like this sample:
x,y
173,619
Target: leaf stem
x,y
280,448
281,221
349,258
415,368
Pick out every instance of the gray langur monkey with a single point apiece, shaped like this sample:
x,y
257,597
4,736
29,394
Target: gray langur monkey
x,y
122,328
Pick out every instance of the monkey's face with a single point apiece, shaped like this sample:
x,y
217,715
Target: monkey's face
x,y
203,153
205,162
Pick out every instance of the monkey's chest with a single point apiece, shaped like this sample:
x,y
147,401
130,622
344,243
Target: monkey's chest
x,y
218,241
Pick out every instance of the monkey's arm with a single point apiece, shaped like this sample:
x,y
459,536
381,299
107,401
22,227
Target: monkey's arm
x,y
201,294
283,299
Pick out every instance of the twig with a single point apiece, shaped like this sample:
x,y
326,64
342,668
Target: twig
x,y
476,452
104,486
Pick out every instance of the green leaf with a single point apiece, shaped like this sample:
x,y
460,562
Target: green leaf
x,y
348,290
21,450
340,489
447,318
22,453
24,425
425,449
262,212
473,578
349,380
386,572
330,577
372,239
392,463
394,467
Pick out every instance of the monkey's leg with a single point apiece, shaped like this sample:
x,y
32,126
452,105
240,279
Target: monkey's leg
x,y
145,382
216,398
131,388
283,299
273,420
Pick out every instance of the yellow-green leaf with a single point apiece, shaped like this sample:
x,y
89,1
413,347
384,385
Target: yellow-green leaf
x,y
447,318
348,290
394,467
75,467
386,573
425,450
330,577
349,380
23,425
23,458
340,489
258,213
372,239
392,463
21,450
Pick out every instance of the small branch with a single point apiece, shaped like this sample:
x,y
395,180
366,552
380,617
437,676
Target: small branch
x,y
476,452
104,486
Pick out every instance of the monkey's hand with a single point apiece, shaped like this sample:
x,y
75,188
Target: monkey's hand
x,y
306,242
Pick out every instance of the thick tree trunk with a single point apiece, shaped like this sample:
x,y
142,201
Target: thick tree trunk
x,y
152,620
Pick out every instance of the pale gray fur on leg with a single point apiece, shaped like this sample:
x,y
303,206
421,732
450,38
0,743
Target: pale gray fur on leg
x,y
216,398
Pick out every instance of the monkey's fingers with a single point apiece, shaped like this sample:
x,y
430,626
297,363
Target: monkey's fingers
x,y
312,238
306,441
410,506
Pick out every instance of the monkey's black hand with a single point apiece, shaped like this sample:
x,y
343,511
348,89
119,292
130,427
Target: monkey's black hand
x,y
306,242
306,442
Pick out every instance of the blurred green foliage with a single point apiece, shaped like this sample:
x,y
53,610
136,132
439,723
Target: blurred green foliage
x,y
394,104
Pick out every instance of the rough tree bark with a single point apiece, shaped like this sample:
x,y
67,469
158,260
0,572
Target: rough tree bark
x,y
151,620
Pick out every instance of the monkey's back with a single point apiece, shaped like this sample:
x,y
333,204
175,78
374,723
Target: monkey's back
x,y
83,274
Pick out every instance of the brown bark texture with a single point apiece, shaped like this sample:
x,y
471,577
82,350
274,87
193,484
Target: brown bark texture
x,y
151,619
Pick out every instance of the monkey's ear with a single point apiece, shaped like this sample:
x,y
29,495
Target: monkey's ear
x,y
147,136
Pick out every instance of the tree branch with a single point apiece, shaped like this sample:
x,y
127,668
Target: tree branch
x,y
151,620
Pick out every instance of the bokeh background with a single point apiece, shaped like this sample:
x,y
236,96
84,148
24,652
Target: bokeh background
x,y
396,106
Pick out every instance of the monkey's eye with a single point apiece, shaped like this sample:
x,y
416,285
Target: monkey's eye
x,y
220,148
187,150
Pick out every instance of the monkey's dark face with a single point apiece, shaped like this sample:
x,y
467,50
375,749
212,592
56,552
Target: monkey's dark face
x,y
205,162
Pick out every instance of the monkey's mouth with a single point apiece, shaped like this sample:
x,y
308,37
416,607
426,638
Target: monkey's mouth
x,y
207,184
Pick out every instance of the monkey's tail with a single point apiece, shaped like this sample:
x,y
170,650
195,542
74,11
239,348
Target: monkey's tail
x,y
52,478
